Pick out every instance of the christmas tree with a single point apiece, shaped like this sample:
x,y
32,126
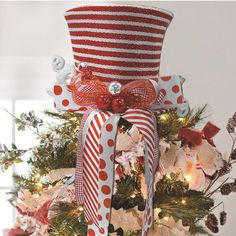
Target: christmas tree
x,y
45,199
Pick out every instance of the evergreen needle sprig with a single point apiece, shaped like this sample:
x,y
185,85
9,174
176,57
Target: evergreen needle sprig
x,y
170,123
69,221
29,121
9,157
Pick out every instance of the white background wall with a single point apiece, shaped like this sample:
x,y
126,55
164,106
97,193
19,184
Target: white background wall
x,y
200,44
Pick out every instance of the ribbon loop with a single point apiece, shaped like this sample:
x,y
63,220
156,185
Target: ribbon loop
x,y
139,93
85,89
195,137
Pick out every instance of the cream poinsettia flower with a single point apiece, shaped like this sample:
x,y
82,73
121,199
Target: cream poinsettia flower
x,y
131,219
126,141
58,174
168,227
32,225
209,158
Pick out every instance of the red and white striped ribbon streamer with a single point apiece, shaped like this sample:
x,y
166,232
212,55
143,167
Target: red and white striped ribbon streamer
x,y
95,168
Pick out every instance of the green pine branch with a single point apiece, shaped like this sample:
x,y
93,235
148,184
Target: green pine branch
x,y
169,123
176,200
69,221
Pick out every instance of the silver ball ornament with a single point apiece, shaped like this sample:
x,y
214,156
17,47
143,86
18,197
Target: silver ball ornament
x,y
114,88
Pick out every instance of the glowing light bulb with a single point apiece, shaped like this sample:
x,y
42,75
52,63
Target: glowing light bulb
x,y
133,196
133,167
181,119
81,208
168,176
163,117
188,178
37,176
183,201
39,185
166,218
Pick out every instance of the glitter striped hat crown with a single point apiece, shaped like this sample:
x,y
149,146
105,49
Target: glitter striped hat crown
x,y
118,43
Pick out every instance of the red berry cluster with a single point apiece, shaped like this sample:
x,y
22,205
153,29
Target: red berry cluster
x,y
106,102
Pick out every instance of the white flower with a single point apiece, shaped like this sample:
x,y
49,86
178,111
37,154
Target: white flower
x,y
34,227
163,146
209,158
168,159
129,219
58,174
139,149
64,194
27,201
126,141
124,161
27,223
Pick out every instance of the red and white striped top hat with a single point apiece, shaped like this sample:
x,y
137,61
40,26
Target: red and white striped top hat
x,y
118,43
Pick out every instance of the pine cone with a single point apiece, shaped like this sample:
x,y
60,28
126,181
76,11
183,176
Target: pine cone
x,y
226,189
212,228
120,232
215,229
233,187
230,127
223,218
234,116
141,207
111,228
212,219
129,203
231,124
225,169
117,202
233,155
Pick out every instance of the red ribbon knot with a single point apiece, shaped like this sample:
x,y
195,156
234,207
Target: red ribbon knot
x,y
87,90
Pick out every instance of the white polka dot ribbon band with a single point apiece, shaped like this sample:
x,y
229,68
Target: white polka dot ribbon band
x,y
119,44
